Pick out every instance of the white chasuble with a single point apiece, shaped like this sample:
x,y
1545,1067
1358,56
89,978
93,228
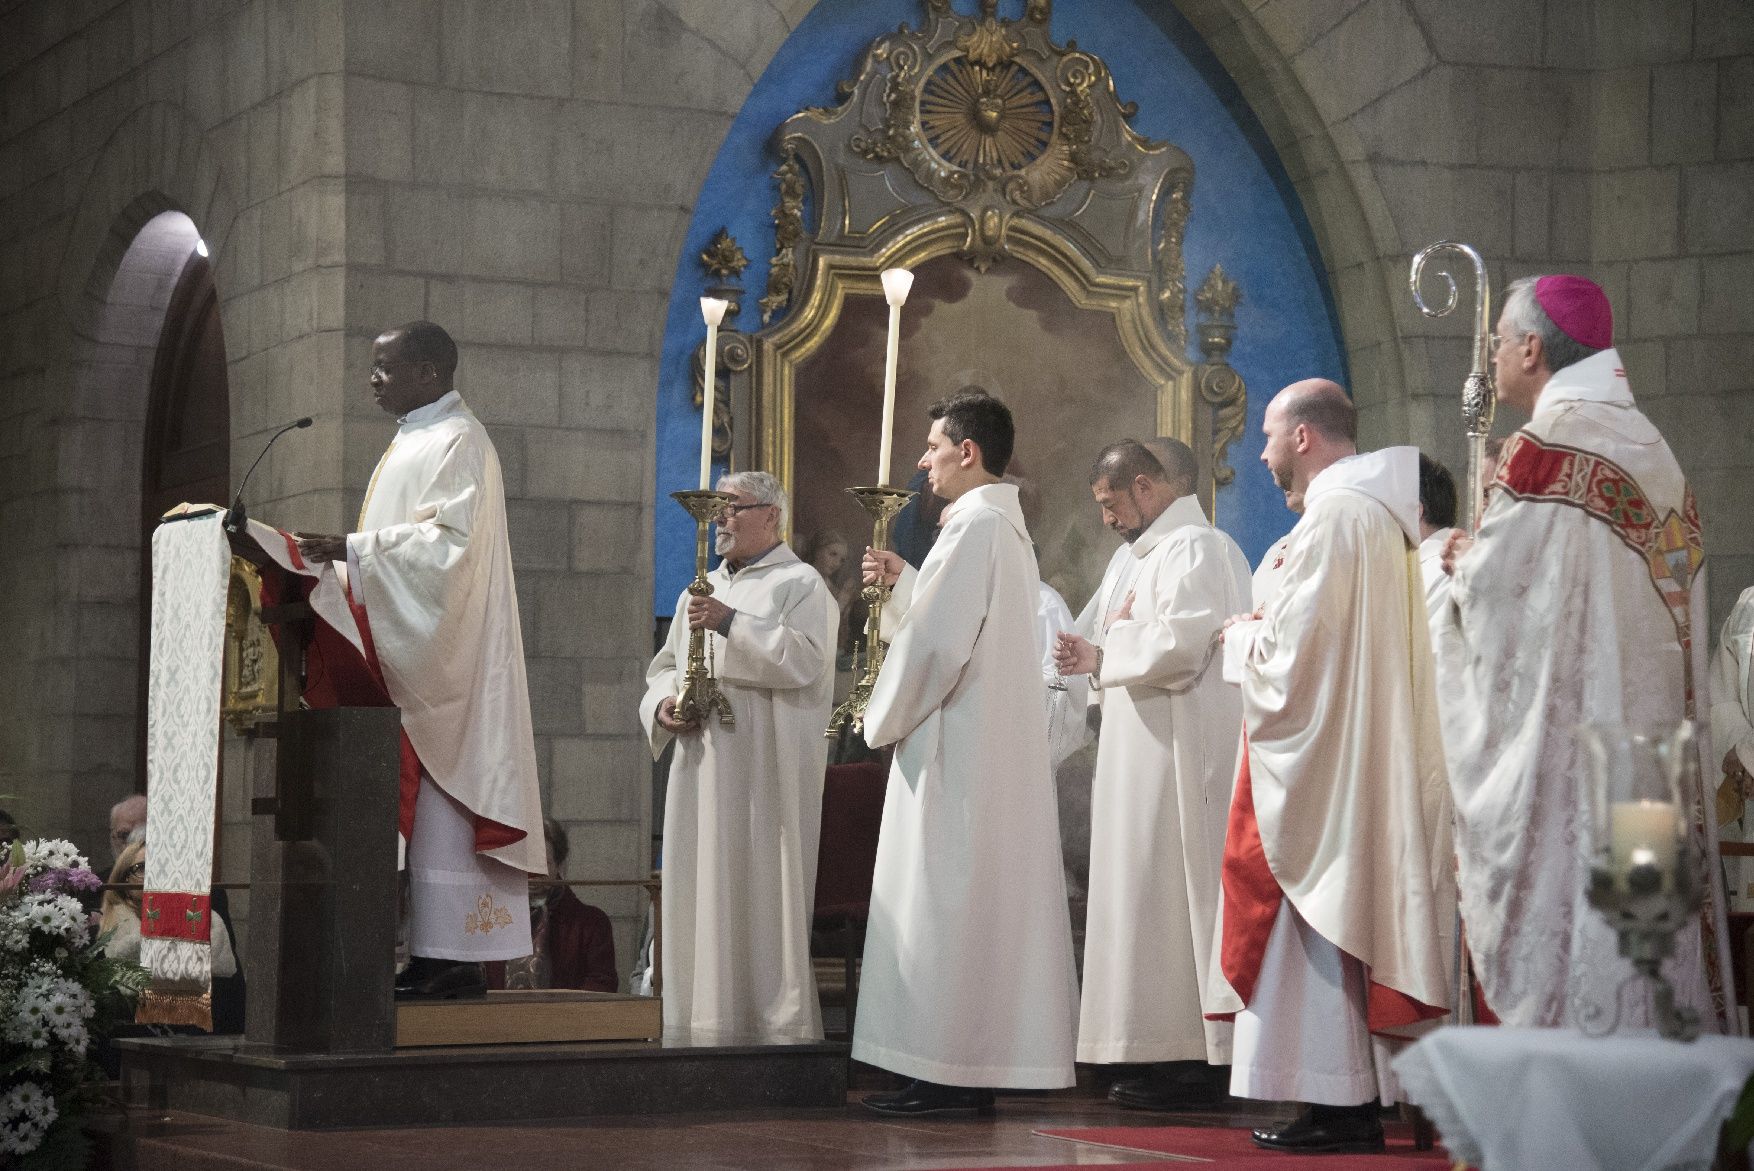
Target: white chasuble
x,y
1582,601
1165,761
1342,803
743,811
431,567
968,976
1269,573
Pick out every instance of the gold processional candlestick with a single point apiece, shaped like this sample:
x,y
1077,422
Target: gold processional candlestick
x,y
1478,396
882,503
700,697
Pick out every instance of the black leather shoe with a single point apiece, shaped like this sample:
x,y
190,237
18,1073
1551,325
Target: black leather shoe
x,y
441,980
1327,1130
1176,1086
923,1097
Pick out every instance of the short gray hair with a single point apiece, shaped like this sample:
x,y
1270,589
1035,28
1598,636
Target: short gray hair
x,y
1524,314
765,488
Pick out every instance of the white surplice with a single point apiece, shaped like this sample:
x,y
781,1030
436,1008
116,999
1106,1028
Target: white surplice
x,y
1582,601
1068,696
1165,761
432,566
743,812
1432,574
1732,730
1347,793
968,976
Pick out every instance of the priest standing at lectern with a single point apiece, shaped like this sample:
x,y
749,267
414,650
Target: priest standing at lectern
x,y
429,577
968,980
743,813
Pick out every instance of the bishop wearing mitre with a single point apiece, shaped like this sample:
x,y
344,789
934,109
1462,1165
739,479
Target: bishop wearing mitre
x,y
429,580
968,981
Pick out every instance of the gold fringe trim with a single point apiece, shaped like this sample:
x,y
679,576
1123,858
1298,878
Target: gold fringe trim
x,y
175,1006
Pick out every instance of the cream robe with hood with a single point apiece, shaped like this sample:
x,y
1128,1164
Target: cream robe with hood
x,y
968,976
1165,761
743,813
435,575
1567,606
1346,766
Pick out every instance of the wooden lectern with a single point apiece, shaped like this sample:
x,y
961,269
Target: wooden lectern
x,y
324,888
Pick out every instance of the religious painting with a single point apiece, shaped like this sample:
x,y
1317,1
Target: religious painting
x,y
1011,331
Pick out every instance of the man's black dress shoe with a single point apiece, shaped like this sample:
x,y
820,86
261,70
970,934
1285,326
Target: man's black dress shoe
x,y
923,1097
1173,1086
429,979
1327,1130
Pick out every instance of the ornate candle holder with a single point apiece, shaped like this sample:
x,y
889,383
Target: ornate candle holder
x,y
1645,875
882,503
700,697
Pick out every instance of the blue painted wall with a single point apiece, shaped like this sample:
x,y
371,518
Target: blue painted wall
x,y
1244,216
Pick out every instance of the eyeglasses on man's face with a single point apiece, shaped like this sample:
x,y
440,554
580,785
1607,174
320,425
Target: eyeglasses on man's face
x,y
739,509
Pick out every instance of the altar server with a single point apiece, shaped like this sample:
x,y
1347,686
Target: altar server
x,y
968,980
1582,601
743,812
429,572
1165,760
1732,730
1338,897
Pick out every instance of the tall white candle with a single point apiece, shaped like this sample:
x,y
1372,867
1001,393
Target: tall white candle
x,y
896,283
712,311
1642,832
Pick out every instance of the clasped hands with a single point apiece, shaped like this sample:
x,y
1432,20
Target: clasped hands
x,y
1074,655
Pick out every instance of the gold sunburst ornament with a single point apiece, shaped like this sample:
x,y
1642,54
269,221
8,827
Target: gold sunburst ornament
x,y
975,116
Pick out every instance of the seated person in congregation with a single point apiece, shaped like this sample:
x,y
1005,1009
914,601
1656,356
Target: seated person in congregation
x,y
573,945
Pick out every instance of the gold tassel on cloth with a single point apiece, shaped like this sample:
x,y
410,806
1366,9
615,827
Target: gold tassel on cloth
x,y
175,1005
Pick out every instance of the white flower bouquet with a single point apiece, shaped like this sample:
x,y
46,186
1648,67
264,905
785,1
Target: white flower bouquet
x,y
58,994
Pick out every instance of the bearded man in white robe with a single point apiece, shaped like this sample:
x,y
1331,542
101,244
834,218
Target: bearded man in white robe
x,y
743,812
429,578
968,980
1165,760
1338,891
1582,601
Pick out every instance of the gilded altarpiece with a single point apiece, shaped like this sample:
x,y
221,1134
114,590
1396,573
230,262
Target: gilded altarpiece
x,y
1046,239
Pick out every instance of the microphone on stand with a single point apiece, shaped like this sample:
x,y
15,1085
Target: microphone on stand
x,y
235,517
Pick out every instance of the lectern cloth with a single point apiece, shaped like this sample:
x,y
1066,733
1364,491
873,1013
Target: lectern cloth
x,y
1165,761
435,578
1582,601
968,976
1510,1097
743,811
1342,802
191,569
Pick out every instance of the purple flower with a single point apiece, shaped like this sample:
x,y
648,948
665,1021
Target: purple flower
x,y
70,881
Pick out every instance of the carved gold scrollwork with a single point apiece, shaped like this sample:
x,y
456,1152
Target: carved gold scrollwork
x,y
1172,289
252,665
788,231
1078,73
1220,387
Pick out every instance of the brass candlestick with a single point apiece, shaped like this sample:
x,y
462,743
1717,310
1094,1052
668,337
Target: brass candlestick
x,y
882,503
700,696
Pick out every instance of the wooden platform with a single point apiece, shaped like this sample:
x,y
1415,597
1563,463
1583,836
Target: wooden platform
x,y
528,1017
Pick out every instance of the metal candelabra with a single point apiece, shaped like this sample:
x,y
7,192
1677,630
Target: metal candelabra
x,y
700,697
882,503
1648,904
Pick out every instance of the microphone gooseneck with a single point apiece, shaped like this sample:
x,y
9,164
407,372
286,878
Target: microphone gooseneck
x,y
236,518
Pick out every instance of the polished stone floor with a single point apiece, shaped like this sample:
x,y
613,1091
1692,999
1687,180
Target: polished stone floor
x,y
778,1140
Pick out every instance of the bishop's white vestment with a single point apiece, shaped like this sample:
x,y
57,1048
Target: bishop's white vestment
x,y
1165,760
968,976
1582,601
1338,912
431,569
743,811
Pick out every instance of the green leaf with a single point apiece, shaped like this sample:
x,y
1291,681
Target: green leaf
x,y
65,1147
1738,1132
